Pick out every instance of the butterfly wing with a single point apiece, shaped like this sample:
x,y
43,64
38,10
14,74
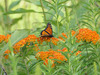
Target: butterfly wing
x,y
44,33
47,32
49,29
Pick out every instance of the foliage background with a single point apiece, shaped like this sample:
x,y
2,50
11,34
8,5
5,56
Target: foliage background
x,y
69,14
64,15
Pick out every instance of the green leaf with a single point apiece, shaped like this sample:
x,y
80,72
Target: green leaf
x,y
33,65
19,10
62,2
38,69
13,4
37,2
14,21
95,68
1,8
15,37
56,71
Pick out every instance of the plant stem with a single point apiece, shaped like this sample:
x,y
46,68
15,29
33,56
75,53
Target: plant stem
x,y
7,18
69,64
26,67
74,11
13,59
86,48
6,5
57,17
43,11
67,18
6,8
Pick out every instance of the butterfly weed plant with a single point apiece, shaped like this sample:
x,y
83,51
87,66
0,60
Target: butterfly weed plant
x,y
68,45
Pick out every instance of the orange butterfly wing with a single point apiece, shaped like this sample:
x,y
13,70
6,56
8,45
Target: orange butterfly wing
x,y
47,32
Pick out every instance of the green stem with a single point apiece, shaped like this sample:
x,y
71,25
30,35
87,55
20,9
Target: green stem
x,y
74,10
67,18
86,48
26,67
69,65
13,58
43,11
6,5
95,68
57,17
7,26
6,8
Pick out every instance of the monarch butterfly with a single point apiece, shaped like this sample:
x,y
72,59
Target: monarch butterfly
x,y
47,32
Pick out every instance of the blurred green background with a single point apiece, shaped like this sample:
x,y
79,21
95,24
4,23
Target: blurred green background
x,y
64,15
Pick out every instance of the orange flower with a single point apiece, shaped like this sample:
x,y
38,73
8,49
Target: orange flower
x,y
73,32
40,40
31,38
51,55
18,45
46,63
54,40
77,53
64,49
36,47
87,35
61,38
21,43
7,37
6,54
42,55
64,35
59,56
47,39
2,38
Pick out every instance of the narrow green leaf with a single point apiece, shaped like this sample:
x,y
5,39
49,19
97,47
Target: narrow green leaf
x,y
95,68
14,21
13,4
1,8
38,69
33,65
19,10
62,2
56,71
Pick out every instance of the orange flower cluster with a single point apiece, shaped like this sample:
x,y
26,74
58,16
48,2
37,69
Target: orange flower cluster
x,y
64,35
21,43
2,38
78,52
7,37
73,32
47,39
87,35
63,50
18,45
50,55
36,48
61,38
6,54
31,38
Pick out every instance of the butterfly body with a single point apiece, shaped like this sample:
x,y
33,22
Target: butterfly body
x,y
47,32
